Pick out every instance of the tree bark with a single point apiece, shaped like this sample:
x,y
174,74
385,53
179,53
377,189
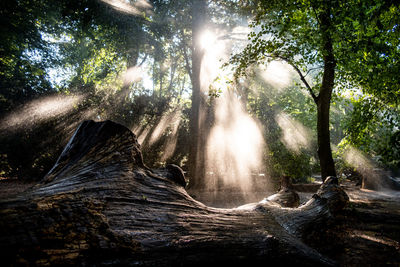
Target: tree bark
x,y
196,161
287,196
324,98
100,205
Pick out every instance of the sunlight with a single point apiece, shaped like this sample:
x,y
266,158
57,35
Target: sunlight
x,y
295,135
241,32
39,110
167,126
136,8
278,74
207,39
142,135
167,120
160,128
133,74
215,52
379,239
358,160
365,166
235,146
172,138
137,129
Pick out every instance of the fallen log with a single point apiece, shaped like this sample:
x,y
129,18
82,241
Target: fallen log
x,y
100,205
287,196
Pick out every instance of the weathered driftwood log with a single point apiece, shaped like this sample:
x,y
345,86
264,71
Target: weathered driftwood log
x,y
100,205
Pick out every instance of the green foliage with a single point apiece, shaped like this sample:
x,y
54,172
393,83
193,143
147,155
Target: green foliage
x,y
283,30
365,36
373,127
22,65
365,42
266,103
95,44
369,48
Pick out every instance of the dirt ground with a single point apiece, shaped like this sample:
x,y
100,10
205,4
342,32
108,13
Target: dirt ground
x,y
368,231
366,234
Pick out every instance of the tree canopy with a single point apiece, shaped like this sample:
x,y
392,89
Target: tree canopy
x,y
138,63
331,45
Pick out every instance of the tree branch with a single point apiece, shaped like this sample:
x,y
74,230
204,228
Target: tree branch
x,y
302,77
310,70
144,59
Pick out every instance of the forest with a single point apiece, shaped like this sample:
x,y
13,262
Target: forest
x,y
137,132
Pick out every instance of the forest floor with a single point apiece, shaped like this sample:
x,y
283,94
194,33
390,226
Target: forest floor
x,y
368,231
366,234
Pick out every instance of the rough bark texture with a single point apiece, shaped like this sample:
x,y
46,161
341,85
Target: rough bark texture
x,y
324,98
100,205
287,196
198,109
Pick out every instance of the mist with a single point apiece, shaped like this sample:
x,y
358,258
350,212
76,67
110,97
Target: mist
x,y
134,62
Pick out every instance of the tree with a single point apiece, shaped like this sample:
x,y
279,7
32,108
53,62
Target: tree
x,y
205,16
197,116
42,36
289,117
308,35
22,63
96,44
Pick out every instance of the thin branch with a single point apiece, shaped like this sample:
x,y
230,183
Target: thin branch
x,y
310,70
316,16
302,77
144,59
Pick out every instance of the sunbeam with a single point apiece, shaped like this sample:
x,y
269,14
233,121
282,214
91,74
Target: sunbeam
x,y
366,167
133,74
234,152
167,120
39,110
208,40
136,8
277,74
215,52
295,136
235,146
172,138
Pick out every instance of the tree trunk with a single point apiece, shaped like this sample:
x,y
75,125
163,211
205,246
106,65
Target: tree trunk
x,y
100,205
196,161
324,98
324,141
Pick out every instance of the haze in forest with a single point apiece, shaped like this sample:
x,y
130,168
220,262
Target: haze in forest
x,y
231,95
